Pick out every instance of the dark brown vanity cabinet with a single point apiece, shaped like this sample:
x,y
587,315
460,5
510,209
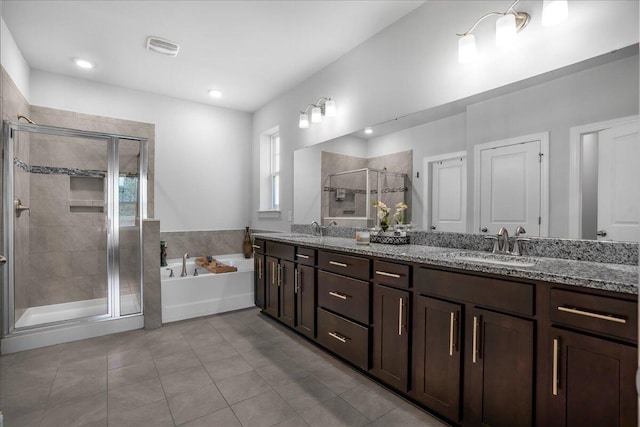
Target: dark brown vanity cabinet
x,y
305,292
259,272
592,377
343,306
496,355
280,289
437,355
391,328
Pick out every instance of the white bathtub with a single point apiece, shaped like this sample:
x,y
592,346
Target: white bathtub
x,y
207,293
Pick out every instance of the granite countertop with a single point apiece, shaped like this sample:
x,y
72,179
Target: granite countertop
x,y
603,276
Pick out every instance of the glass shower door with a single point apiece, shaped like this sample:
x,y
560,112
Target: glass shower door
x,y
60,228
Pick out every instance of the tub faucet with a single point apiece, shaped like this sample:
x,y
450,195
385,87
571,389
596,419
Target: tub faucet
x,y
184,265
170,272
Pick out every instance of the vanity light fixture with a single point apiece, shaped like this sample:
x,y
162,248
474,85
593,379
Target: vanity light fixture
x,y
324,107
83,63
508,25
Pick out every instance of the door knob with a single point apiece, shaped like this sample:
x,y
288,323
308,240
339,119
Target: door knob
x,y
433,227
3,260
601,233
484,229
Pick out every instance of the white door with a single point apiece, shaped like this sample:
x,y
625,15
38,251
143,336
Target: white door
x,y
510,188
449,195
618,180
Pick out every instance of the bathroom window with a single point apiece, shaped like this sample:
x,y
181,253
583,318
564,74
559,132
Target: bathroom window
x,y
128,192
275,171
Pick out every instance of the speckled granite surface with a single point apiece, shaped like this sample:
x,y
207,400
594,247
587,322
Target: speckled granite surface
x,y
603,276
579,250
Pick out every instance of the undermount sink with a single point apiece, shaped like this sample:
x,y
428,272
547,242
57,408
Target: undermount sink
x,y
495,259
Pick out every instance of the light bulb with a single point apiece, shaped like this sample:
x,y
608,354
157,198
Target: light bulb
x,y
215,93
330,108
467,51
316,115
368,131
83,63
506,32
554,12
303,123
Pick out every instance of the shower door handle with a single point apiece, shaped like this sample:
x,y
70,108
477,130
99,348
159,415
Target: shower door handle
x,y
20,207
3,260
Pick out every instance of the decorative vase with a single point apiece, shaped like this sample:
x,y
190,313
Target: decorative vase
x,y
246,244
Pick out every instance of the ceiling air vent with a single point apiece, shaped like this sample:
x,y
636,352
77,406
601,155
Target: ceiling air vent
x,y
163,46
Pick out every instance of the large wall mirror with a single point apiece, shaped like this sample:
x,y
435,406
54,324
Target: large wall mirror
x,y
553,153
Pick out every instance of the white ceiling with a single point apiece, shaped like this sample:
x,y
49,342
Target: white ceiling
x,y
252,51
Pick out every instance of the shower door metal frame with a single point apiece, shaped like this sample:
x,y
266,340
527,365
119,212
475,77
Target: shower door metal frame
x,y
113,223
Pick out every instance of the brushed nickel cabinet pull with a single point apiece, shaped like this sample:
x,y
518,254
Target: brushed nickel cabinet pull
x,y
339,264
474,350
338,337
609,317
337,295
554,379
296,280
273,273
384,273
279,275
451,326
302,256
260,268
400,309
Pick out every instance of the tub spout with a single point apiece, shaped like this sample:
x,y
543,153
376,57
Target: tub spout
x,y
184,265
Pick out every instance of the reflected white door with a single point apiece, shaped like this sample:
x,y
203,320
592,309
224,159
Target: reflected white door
x,y
510,188
618,180
449,195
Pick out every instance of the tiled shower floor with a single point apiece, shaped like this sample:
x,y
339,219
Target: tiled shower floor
x,y
236,369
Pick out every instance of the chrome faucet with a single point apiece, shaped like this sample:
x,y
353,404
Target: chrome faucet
x,y
316,229
503,235
333,222
516,245
184,265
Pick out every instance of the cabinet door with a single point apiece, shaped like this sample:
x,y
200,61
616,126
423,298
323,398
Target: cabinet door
x,y
259,279
306,300
391,336
271,287
287,293
437,355
592,381
499,388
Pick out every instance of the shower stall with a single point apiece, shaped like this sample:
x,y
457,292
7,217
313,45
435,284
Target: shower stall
x,y
349,195
73,206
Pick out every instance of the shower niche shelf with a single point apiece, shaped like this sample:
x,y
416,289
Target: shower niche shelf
x,y
86,194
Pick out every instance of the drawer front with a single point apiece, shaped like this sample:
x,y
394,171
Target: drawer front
x,y
346,296
347,339
595,313
391,274
258,246
306,256
504,295
281,250
344,264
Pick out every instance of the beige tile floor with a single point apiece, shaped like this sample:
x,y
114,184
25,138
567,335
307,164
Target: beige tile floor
x,y
230,370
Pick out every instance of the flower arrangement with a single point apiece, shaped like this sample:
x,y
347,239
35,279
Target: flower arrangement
x,y
383,214
399,215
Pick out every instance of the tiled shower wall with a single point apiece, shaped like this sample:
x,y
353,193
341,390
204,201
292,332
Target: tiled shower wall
x,y
198,243
354,203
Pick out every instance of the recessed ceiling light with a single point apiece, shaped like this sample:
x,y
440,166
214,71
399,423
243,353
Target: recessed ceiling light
x,y
368,131
83,63
215,93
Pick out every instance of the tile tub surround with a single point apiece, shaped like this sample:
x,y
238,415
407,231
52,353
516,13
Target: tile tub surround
x,y
571,249
152,290
235,369
603,276
197,243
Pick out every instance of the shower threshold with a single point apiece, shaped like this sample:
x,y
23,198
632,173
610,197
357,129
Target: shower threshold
x,y
74,310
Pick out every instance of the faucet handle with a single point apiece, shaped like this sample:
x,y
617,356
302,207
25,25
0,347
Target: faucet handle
x,y
519,230
496,243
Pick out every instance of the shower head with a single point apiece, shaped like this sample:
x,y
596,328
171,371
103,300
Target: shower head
x,y
20,116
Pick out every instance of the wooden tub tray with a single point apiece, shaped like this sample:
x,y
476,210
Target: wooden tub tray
x,y
215,266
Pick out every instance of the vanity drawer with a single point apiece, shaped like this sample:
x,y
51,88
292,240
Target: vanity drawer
x,y
306,256
500,294
258,246
609,316
344,264
346,296
392,274
281,250
347,339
